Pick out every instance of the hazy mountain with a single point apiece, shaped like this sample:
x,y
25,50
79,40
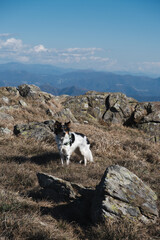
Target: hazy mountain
x,y
110,82
33,68
61,81
72,91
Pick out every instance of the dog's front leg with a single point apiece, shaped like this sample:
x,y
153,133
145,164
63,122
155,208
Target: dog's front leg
x,y
62,157
67,159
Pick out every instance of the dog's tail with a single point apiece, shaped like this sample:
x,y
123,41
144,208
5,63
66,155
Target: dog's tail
x,y
92,144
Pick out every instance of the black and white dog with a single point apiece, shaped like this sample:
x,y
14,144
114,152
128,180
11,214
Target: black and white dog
x,y
68,142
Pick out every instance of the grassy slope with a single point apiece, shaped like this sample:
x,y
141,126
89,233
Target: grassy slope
x,y
25,215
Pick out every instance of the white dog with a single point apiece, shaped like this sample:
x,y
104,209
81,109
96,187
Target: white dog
x,y
68,142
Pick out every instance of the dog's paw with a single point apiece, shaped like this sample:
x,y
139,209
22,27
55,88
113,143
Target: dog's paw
x,y
81,161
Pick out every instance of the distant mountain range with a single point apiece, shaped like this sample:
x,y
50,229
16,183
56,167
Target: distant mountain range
x,y
75,82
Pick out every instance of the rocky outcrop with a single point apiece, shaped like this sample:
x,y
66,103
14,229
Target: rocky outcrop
x,y
92,108
120,194
13,91
65,115
127,111
89,107
39,131
26,90
146,117
34,92
119,108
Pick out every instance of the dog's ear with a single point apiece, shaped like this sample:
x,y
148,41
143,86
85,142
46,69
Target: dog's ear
x,y
68,124
57,124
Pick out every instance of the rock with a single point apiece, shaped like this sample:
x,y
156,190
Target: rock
x,y
49,112
65,115
122,194
78,198
64,190
5,131
5,100
26,90
119,108
40,131
146,116
57,186
89,107
22,103
13,91
6,117
94,106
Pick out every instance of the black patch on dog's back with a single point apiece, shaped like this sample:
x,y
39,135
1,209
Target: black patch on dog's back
x,y
80,134
72,139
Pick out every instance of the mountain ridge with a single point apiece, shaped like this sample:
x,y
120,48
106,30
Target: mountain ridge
x,y
140,87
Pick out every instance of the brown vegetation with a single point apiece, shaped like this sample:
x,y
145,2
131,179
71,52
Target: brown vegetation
x,y
25,214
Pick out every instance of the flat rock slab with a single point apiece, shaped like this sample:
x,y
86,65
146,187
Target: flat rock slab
x,y
60,186
40,131
122,194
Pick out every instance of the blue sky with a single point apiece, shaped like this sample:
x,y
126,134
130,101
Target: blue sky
x,y
111,35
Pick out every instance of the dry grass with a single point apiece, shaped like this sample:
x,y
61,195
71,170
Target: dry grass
x,y
22,209
24,214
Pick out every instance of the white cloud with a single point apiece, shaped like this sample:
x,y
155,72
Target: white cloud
x,y
99,59
149,67
13,49
39,48
83,49
11,44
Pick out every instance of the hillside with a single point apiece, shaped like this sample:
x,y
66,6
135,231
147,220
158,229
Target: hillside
x,y
111,121
49,78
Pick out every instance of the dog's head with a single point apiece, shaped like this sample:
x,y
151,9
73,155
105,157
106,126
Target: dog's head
x,y
62,129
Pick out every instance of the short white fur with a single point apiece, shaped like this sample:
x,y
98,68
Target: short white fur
x,y
67,147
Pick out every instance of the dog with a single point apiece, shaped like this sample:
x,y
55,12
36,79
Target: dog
x,y
69,142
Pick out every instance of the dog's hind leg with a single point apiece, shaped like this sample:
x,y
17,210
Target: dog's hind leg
x,y
90,156
86,153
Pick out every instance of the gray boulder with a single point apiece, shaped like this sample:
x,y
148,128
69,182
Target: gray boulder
x,y
119,108
89,107
13,91
147,118
22,103
56,186
122,194
5,131
65,115
26,90
5,99
40,131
